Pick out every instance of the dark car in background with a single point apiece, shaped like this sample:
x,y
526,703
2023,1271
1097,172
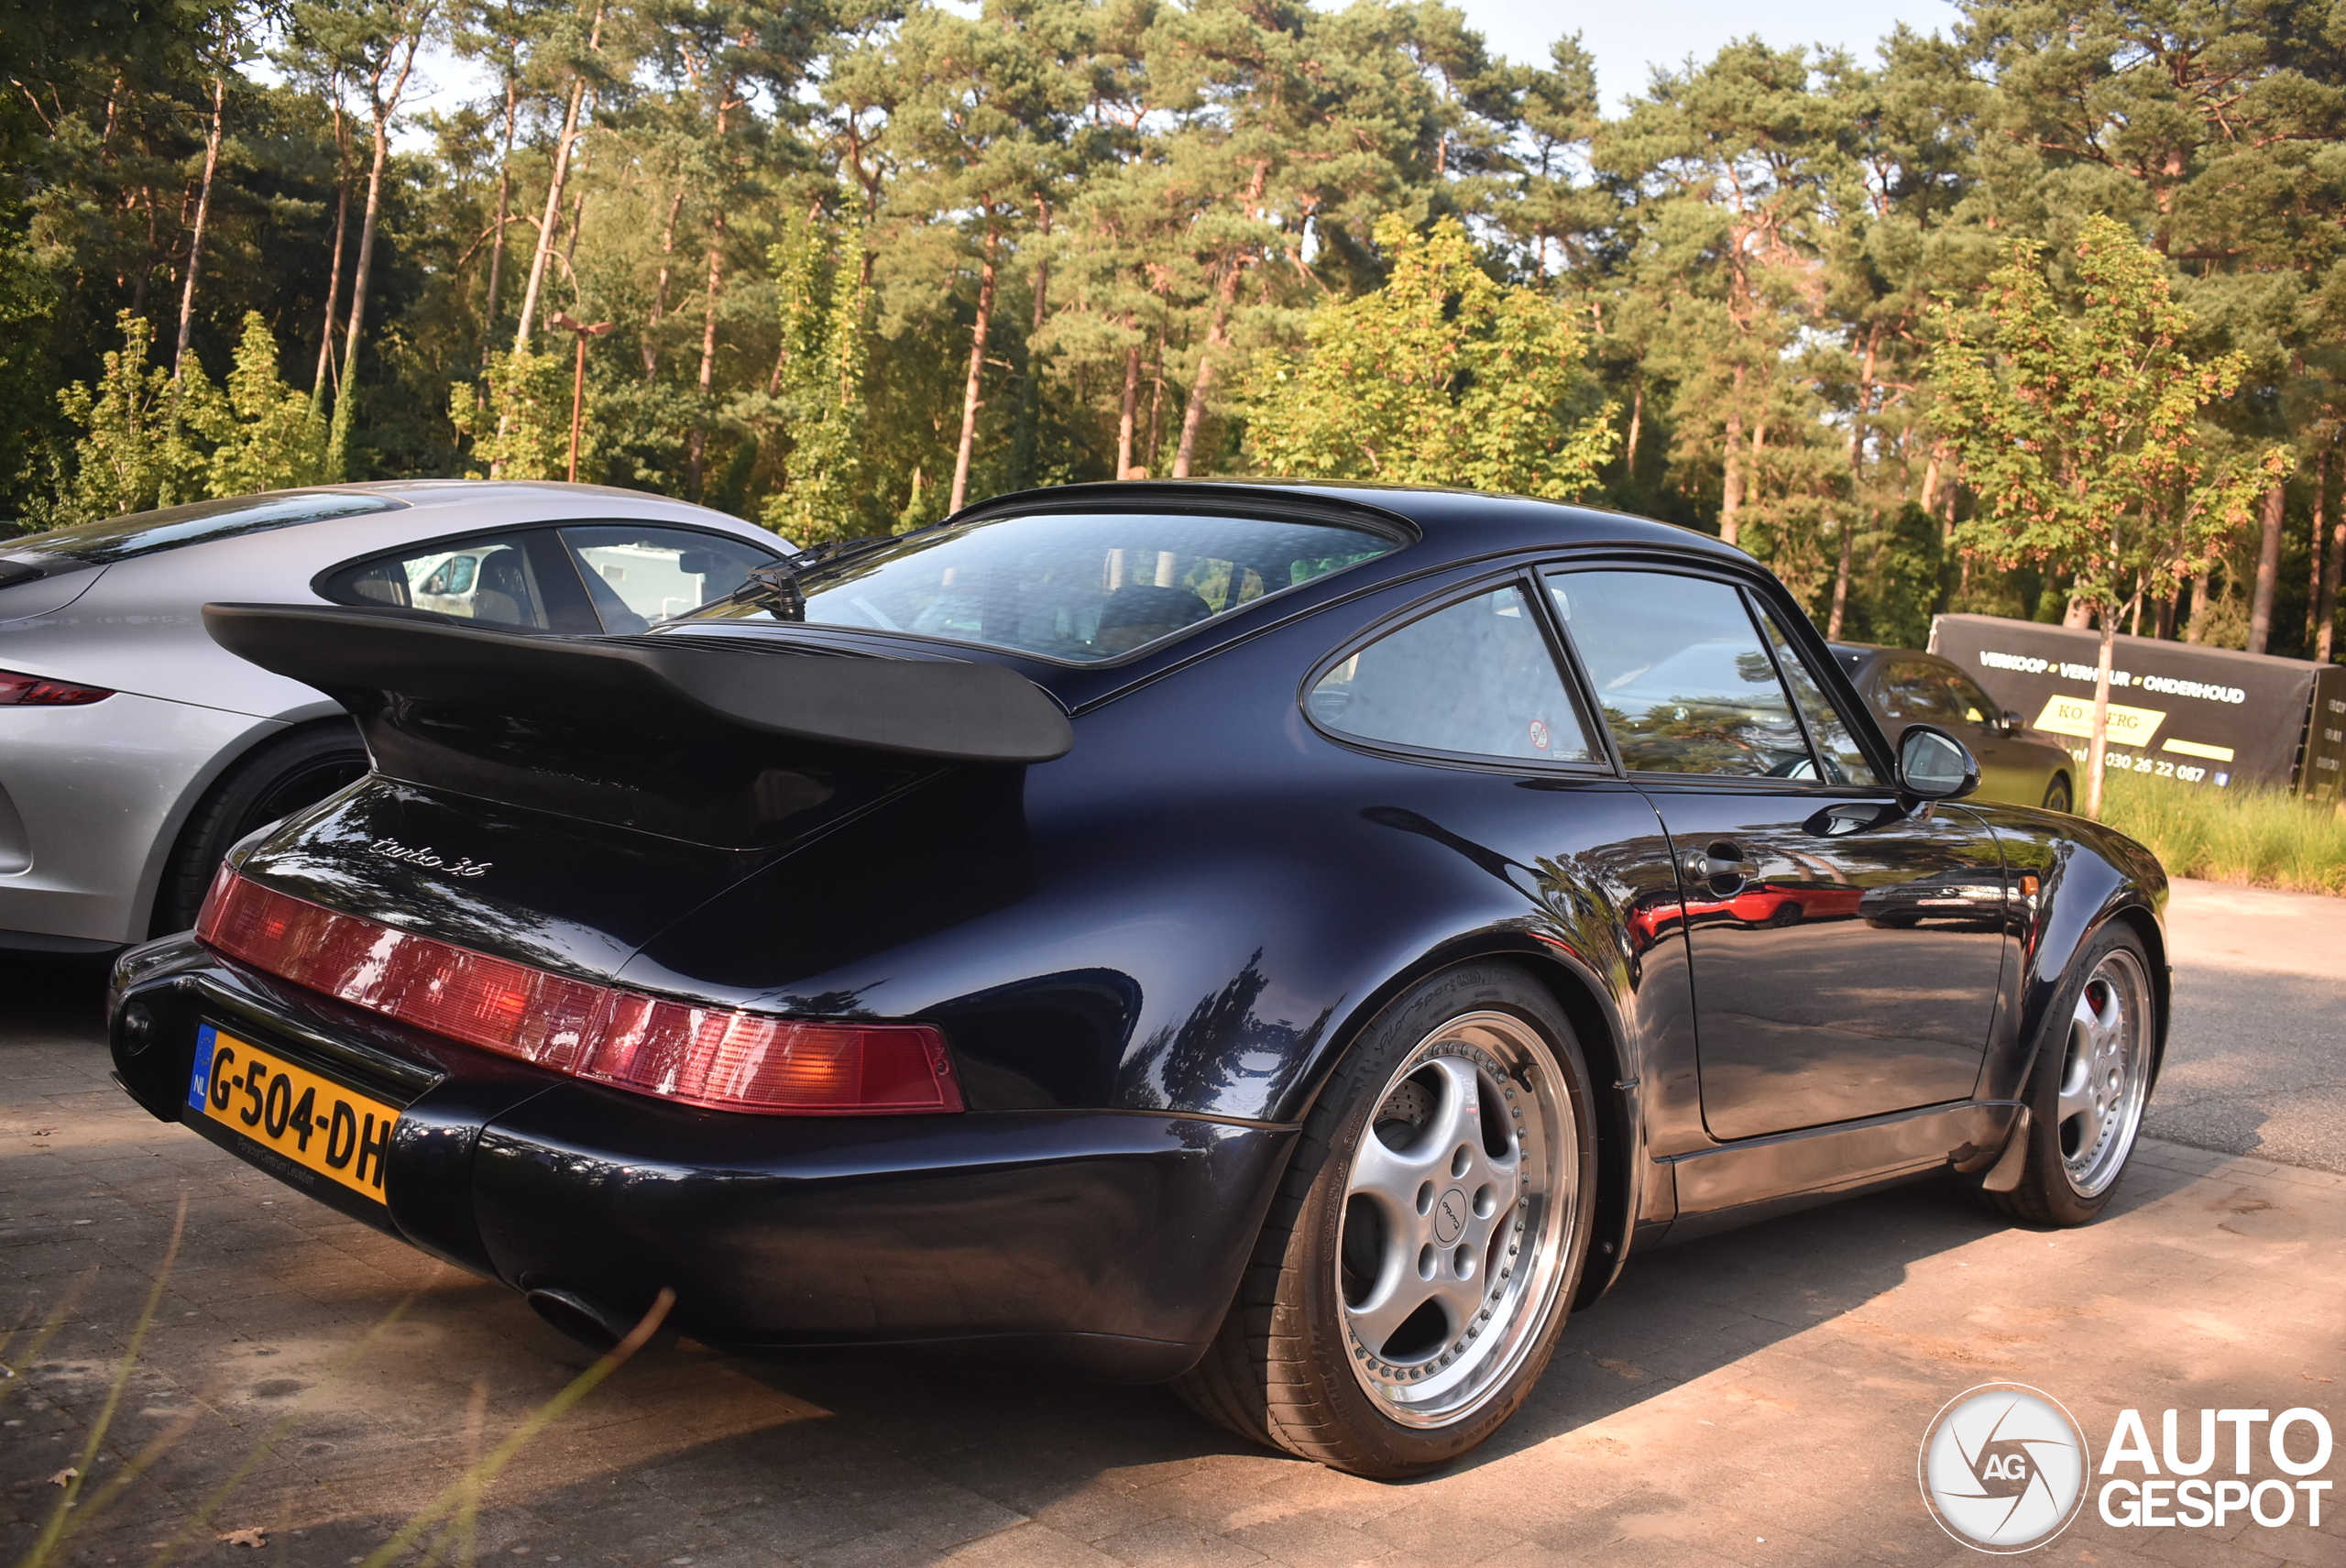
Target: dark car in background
x,y
1291,940
2017,764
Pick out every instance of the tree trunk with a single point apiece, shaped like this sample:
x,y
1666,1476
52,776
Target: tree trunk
x,y
1856,483
1217,336
1193,416
504,215
2268,573
2196,629
1156,401
195,238
562,148
2333,559
2098,748
1731,465
1636,427
385,108
1124,414
660,291
334,274
973,383
696,448
2079,613
1028,434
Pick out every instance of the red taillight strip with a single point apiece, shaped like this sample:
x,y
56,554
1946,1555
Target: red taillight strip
x,y
720,1058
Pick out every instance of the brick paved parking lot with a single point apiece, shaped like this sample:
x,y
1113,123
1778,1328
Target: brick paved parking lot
x,y
1754,1398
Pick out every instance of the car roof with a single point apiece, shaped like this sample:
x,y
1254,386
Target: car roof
x,y
1461,523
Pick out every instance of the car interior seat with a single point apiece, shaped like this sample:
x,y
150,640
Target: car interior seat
x,y
503,593
1140,613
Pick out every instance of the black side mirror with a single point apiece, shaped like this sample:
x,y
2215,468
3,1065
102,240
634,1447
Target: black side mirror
x,y
2013,722
1934,765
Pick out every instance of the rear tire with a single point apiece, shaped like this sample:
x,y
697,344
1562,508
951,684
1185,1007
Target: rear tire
x,y
274,780
2056,794
2095,1056
1421,1254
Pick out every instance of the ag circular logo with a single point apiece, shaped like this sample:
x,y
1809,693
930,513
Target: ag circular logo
x,y
2004,1468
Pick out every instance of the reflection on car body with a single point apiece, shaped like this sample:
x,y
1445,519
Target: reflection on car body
x,y
1123,915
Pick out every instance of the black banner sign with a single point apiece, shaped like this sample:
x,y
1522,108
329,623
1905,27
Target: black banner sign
x,y
2211,717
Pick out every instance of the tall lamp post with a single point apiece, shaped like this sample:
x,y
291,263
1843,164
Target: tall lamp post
x,y
578,377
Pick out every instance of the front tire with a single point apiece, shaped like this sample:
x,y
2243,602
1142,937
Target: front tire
x,y
2056,794
2095,1057
1419,1262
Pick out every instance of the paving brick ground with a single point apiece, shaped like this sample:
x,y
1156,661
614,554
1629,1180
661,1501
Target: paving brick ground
x,y
1753,1398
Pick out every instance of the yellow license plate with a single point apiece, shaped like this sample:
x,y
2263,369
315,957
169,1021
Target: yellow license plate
x,y
294,1113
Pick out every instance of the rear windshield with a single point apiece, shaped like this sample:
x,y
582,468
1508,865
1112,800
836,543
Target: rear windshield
x,y
145,532
1080,586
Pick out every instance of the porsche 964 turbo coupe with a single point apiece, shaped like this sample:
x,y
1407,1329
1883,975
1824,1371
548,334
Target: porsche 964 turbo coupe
x,y
1297,941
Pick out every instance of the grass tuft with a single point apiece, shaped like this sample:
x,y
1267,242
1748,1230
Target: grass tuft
x,y
2258,836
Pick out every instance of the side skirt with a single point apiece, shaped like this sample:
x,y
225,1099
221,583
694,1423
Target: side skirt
x,y
1721,1189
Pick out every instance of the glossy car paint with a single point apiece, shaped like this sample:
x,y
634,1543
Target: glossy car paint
x,y
93,798
1146,956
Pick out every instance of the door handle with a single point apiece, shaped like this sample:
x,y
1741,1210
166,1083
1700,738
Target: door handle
x,y
1722,866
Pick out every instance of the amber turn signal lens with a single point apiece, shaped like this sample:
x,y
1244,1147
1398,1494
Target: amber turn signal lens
x,y
720,1058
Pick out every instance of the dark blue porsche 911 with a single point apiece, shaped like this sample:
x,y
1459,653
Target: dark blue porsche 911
x,y
1294,940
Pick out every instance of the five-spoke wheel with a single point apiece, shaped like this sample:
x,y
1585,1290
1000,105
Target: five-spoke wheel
x,y
2096,1055
1454,1207
1419,1262
2104,1073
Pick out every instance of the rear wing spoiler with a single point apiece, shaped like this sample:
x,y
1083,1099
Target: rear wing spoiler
x,y
718,744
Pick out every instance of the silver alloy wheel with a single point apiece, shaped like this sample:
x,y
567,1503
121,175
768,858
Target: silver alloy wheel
x,y
2105,1073
1459,1205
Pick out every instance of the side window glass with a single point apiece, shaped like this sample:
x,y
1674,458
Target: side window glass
x,y
1477,678
1976,705
1685,685
1913,692
1844,762
491,580
637,575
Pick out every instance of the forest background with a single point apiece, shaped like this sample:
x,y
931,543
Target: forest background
x,y
859,263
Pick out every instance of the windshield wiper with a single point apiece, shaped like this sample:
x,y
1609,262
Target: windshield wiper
x,y
777,585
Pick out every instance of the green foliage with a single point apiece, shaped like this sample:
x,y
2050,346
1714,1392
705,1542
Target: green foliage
x,y
269,436
2263,838
138,448
2081,431
1125,211
825,348
1441,377
517,416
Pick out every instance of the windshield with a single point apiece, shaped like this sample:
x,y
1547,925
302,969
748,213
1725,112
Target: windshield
x,y
143,533
1081,586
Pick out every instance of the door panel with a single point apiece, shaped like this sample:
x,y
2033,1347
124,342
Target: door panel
x,y
1846,956
1845,952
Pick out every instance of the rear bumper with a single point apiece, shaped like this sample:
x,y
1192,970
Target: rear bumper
x,y
1097,1240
